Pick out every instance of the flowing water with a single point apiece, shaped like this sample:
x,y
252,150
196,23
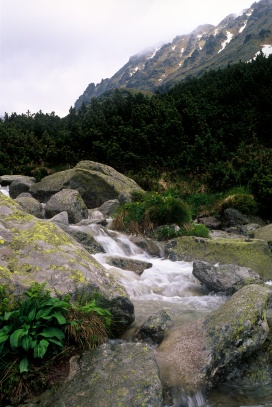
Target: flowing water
x,y
171,286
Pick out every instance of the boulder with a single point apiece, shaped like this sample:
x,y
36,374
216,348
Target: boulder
x,y
252,253
96,183
109,207
153,329
8,179
210,221
150,246
83,235
233,217
115,374
30,205
21,185
264,233
125,263
38,250
212,350
67,200
224,278
61,219
235,331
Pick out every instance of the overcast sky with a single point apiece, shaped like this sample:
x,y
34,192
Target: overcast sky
x,y
52,49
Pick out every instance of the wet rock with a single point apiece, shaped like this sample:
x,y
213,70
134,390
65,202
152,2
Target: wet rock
x,y
150,246
224,278
125,263
83,235
68,200
96,183
115,374
154,328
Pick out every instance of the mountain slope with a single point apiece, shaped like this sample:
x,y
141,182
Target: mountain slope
x,y
235,39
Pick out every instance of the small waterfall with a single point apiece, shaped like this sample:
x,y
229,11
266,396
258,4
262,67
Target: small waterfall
x,y
4,190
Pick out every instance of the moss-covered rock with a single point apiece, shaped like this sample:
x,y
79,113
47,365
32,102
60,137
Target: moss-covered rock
x,y
264,233
96,183
252,253
38,250
112,375
235,331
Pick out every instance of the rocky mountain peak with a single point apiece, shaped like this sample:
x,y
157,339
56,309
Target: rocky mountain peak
x,y
235,39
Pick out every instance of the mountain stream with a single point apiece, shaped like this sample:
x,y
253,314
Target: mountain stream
x,y
171,286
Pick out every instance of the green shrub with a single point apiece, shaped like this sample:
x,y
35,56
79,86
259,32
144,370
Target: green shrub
x,y
245,203
167,232
151,210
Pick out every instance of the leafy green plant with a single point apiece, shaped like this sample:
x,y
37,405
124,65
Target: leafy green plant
x,y
151,210
33,329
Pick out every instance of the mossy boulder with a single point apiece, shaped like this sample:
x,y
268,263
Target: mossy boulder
x,y
252,253
38,250
112,375
235,331
264,233
96,183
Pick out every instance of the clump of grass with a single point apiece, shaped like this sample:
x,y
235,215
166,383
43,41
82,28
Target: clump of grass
x,y
149,210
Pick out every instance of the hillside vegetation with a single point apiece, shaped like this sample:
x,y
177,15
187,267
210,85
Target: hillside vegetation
x,y
213,133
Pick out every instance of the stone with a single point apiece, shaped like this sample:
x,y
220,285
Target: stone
x,y
109,207
153,329
233,217
8,179
30,205
236,330
35,250
224,278
210,221
21,185
264,233
125,263
96,183
252,253
68,200
116,374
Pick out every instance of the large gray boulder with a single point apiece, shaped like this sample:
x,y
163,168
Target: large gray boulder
x,y
154,328
112,375
96,183
226,277
67,200
34,250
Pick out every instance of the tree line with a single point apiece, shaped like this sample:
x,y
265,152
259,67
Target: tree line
x,y
216,127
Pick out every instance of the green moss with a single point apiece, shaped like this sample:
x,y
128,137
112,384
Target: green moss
x,y
77,276
251,253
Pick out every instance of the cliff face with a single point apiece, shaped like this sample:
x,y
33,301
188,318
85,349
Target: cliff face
x,y
235,39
